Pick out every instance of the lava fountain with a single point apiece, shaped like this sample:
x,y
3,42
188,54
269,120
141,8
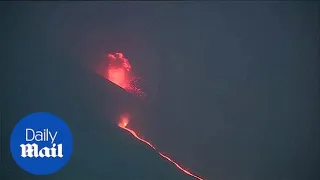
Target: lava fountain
x,y
119,72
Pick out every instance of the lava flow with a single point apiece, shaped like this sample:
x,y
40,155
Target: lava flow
x,y
118,71
123,124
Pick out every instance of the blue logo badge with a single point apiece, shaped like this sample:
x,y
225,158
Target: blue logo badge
x,y
41,143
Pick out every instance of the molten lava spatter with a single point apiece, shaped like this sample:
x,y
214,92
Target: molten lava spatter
x,y
120,73
123,124
118,70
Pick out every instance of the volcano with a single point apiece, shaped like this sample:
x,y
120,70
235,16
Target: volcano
x,y
90,105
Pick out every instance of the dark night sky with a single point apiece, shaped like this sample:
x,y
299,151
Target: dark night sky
x,y
233,88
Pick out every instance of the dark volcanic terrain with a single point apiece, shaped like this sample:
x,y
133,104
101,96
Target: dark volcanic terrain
x,y
91,106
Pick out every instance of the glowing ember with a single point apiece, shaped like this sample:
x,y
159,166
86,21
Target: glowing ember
x,y
120,73
123,124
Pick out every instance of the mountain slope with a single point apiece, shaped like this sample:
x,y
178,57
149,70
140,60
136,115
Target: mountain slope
x,y
90,105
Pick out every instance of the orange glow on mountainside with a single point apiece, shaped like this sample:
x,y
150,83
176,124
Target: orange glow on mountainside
x,y
119,71
123,124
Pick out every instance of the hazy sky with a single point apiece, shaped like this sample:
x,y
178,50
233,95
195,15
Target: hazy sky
x,y
233,87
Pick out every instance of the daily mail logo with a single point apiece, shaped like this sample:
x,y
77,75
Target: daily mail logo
x,y
41,143
32,150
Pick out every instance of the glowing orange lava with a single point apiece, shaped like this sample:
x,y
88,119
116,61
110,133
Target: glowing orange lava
x,y
123,124
117,76
120,73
